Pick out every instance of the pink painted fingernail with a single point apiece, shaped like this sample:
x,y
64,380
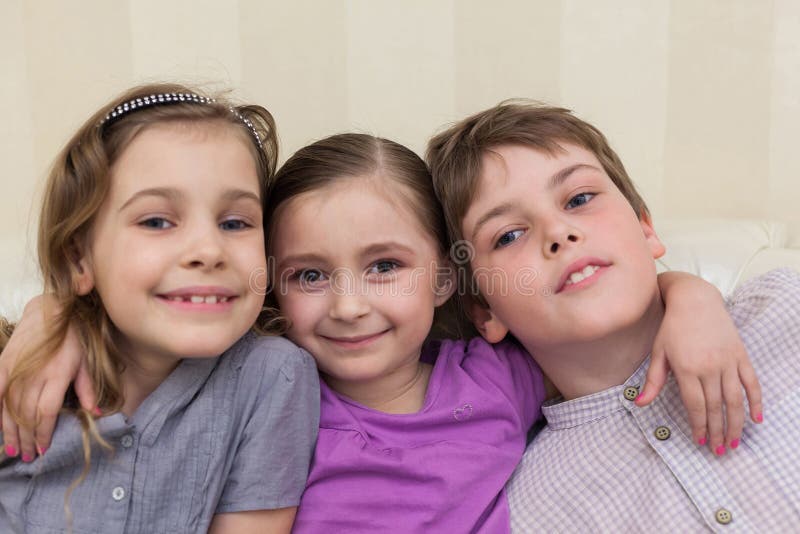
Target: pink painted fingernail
x,y
41,450
734,443
26,458
702,441
10,451
720,450
759,417
639,396
96,411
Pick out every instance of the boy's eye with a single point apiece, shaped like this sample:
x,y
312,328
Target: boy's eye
x,y
508,238
383,267
579,200
233,224
310,276
156,223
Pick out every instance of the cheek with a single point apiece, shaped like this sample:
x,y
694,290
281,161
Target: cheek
x,y
300,309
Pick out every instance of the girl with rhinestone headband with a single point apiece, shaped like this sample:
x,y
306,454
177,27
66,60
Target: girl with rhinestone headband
x,y
151,242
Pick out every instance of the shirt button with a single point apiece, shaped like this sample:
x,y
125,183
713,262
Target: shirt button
x,y
723,516
630,393
662,433
127,441
118,493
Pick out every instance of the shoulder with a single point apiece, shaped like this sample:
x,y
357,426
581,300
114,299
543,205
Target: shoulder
x,y
770,299
478,351
256,355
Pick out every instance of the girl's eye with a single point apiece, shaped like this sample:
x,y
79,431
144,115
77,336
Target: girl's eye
x,y
579,200
383,267
156,223
310,276
508,238
234,224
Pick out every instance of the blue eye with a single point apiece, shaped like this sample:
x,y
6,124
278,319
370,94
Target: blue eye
x,y
234,224
156,223
579,200
310,276
508,238
383,267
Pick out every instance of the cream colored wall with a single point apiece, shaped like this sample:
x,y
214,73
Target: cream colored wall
x,y
700,98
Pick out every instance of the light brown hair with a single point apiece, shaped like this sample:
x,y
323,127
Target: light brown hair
x,y
76,187
455,155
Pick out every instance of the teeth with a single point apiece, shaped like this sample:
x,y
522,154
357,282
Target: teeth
x,y
583,274
200,299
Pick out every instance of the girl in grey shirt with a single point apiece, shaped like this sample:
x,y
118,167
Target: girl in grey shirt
x,y
151,244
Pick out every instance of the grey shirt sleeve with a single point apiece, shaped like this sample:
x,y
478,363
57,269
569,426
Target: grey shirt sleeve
x,y
274,451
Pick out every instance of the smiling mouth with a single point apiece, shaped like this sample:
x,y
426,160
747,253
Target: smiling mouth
x,y
201,303
197,299
355,342
583,277
580,276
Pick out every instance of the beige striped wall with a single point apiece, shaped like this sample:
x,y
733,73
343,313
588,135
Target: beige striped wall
x,y
700,97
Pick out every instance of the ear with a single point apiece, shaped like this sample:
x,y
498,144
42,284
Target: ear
x,y
655,244
491,328
82,273
445,282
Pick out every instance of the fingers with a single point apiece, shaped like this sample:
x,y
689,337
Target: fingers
x,y
3,383
655,380
10,431
752,388
695,401
712,389
27,408
10,437
84,389
734,408
50,402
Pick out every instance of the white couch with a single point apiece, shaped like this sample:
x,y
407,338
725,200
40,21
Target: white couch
x,y
725,252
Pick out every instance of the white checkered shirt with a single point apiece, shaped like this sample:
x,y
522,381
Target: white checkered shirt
x,y
598,465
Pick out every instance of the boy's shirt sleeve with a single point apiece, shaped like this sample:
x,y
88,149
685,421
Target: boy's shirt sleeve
x,y
273,453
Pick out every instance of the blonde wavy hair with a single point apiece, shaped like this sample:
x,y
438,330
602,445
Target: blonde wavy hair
x,y
76,188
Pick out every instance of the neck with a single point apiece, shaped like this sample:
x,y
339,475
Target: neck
x,y
143,373
587,367
401,391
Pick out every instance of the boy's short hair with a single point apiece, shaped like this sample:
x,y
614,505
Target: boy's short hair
x,y
454,156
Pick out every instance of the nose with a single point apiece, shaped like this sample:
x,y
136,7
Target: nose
x,y
205,249
348,299
559,233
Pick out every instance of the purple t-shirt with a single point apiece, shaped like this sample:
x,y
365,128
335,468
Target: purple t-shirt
x,y
442,469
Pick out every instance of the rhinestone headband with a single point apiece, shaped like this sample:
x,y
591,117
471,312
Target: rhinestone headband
x,y
173,98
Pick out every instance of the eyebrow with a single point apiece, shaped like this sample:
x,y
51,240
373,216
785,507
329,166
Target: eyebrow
x,y
230,195
369,250
555,180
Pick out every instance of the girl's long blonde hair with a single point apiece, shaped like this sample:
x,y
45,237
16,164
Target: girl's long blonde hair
x,y
76,187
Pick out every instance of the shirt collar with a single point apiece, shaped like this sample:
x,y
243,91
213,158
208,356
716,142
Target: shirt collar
x,y
561,414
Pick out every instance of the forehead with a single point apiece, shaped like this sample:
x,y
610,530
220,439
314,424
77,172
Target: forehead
x,y
507,163
210,151
351,212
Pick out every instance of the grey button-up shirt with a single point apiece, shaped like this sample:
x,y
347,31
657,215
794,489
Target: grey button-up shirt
x,y
602,464
225,434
